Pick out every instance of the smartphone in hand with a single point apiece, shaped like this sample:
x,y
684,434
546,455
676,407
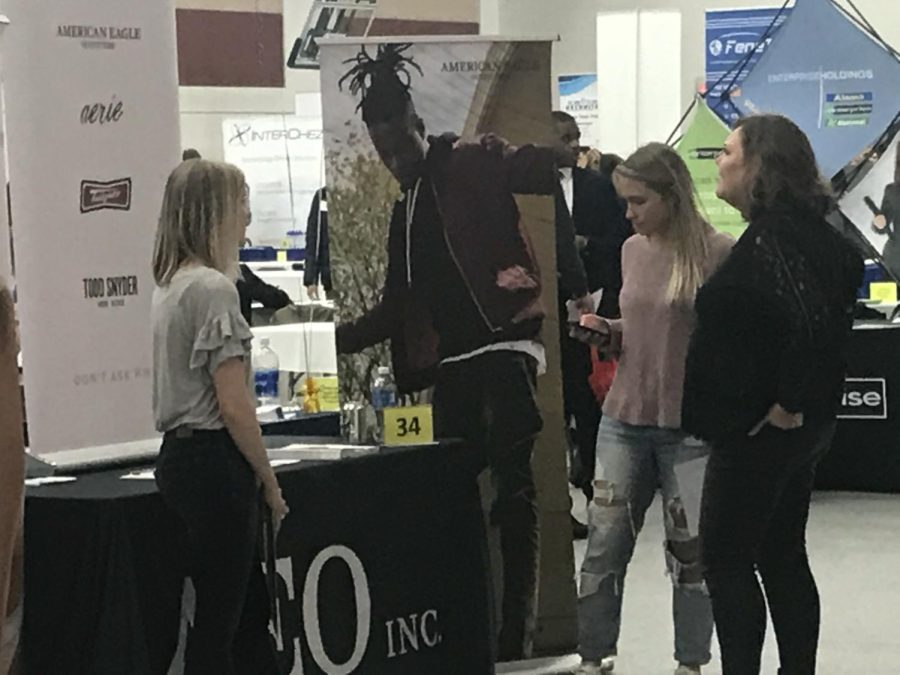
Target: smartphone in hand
x,y
593,330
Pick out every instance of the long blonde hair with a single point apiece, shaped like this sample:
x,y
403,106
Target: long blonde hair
x,y
203,210
661,169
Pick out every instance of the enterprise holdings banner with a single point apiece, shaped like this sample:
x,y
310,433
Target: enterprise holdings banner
x,y
830,77
92,131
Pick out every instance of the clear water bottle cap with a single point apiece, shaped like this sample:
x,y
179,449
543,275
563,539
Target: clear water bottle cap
x,y
264,342
384,370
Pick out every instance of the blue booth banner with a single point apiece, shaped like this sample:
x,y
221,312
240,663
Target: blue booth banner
x,y
733,48
838,83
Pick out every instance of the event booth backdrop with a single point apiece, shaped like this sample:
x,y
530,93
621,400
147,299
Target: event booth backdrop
x,y
281,157
736,39
869,195
835,80
699,146
468,87
91,144
462,87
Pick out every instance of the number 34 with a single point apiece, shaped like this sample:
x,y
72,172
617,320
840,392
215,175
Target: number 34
x,y
407,427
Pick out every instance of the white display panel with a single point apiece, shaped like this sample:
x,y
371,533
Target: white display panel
x,y
639,77
91,95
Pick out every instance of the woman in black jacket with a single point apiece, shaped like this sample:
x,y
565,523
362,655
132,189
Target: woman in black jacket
x,y
764,377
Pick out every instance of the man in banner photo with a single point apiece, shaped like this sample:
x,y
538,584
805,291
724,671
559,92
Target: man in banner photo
x,y
461,302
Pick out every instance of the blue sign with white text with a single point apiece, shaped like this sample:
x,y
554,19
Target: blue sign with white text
x,y
834,80
731,36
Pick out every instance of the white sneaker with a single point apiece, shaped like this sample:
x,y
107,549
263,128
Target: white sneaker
x,y
687,670
596,667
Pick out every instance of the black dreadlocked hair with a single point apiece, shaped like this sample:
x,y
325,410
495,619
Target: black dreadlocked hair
x,y
382,83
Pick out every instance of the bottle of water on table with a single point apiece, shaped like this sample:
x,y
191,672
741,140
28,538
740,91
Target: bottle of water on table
x,y
384,395
265,373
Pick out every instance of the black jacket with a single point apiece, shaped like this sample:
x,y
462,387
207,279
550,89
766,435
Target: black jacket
x,y
773,324
573,281
599,215
251,287
318,262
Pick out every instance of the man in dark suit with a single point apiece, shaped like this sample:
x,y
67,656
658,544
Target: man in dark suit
x,y
601,229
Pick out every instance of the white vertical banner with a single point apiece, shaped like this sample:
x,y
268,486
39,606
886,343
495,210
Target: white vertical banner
x,y
281,157
92,133
617,59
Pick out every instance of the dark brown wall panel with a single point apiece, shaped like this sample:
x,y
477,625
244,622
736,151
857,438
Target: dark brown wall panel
x,y
230,49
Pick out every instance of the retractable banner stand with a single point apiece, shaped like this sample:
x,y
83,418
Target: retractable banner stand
x,y
281,157
490,95
733,48
578,97
92,130
466,89
834,80
878,193
702,141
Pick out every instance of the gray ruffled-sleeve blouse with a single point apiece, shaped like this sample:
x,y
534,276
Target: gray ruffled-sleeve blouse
x,y
197,326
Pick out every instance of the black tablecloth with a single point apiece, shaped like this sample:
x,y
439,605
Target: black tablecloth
x,y
314,424
865,455
104,584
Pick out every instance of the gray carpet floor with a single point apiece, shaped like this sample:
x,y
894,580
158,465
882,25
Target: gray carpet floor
x,y
854,543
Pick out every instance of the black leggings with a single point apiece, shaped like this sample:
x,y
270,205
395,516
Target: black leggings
x,y
210,485
755,508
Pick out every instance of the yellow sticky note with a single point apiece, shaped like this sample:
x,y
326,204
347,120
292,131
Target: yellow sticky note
x,y
408,426
885,291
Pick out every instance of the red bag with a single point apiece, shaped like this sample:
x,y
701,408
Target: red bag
x,y
601,377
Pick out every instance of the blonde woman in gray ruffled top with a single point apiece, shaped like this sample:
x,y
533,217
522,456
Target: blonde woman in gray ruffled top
x,y
212,464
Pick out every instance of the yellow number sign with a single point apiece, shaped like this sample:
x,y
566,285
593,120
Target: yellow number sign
x,y
408,426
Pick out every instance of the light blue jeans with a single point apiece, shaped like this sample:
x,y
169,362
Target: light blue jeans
x,y
632,462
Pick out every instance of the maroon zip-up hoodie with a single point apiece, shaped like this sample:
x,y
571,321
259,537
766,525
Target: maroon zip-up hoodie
x,y
474,184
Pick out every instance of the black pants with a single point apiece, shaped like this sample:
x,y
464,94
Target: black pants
x,y
580,405
755,508
489,401
210,485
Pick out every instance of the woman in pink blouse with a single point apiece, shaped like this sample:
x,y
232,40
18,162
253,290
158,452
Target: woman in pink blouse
x,y
640,442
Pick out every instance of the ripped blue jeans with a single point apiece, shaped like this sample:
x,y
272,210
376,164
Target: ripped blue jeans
x,y
632,462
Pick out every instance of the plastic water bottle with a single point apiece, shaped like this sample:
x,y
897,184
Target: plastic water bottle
x,y
265,374
384,395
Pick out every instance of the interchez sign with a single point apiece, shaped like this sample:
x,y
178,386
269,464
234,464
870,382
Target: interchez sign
x,y
864,399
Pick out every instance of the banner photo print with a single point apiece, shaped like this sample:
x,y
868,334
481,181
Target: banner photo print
x,y
474,95
702,141
873,204
91,97
834,80
281,157
733,49
441,156
578,97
